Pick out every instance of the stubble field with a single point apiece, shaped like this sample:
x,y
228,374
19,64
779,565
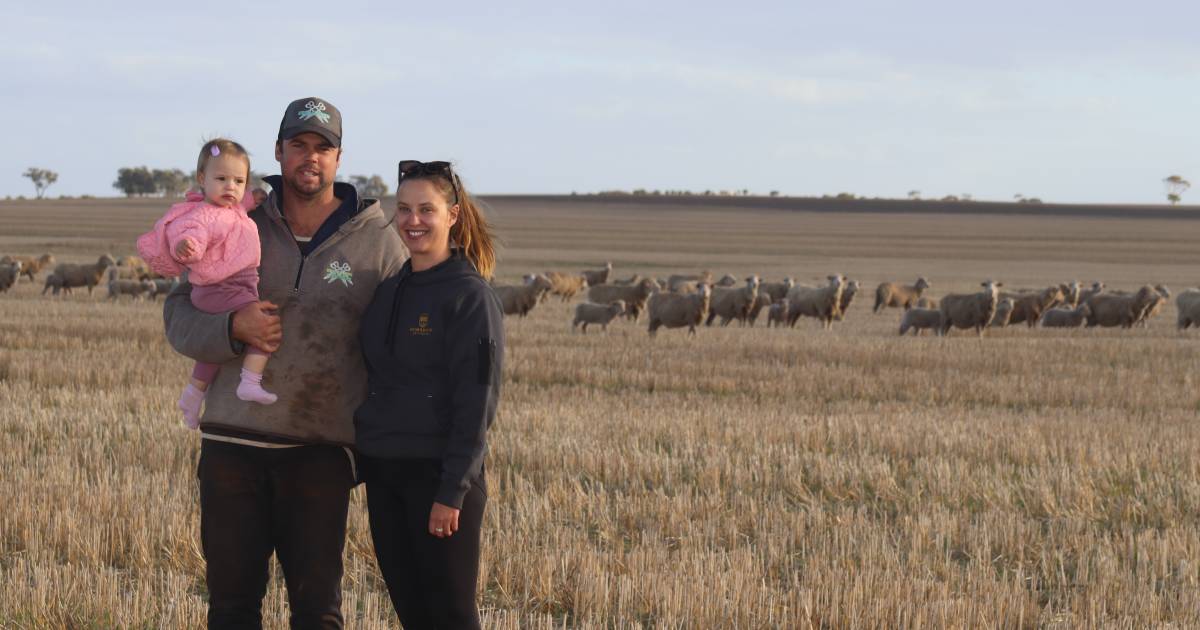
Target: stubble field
x,y
747,477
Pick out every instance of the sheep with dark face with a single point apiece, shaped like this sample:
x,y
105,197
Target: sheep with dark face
x,y
891,294
600,314
675,310
970,310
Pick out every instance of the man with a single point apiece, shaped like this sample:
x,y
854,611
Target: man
x,y
277,478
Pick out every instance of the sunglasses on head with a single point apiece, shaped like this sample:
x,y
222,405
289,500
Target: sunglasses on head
x,y
417,168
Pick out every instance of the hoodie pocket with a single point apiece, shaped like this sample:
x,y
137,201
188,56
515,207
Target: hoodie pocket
x,y
405,409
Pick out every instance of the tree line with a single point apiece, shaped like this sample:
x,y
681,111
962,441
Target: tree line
x,y
141,181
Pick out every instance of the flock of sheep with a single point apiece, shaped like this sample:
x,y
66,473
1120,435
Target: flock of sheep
x,y
680,300
128,276
691,300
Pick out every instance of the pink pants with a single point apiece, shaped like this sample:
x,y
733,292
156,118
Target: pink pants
x,y
227,295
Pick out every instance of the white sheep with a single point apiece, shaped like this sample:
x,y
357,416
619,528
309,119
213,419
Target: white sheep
x,y
674,310
1188,305
598,277
823,303
136,288
970,310
634,297
602,314
901,295
1066,317
848,293
919,320
731,304
520,299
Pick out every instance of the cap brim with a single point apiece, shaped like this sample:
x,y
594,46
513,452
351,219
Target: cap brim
x,y
292,132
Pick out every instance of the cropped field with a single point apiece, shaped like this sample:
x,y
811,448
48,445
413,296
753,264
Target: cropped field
x,y
748,478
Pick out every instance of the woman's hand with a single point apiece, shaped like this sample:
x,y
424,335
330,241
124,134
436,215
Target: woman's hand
x,y
443,520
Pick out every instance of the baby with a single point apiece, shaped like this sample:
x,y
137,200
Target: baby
x,y
211,237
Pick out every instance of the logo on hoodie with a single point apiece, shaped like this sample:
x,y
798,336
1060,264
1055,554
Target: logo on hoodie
x,y
422,328
339,272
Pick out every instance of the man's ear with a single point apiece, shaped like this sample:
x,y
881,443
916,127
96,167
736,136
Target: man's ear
x,y
278,151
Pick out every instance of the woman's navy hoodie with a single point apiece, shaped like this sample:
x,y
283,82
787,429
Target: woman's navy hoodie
x,y
433,342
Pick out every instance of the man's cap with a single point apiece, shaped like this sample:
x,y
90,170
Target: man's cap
x,y
312,115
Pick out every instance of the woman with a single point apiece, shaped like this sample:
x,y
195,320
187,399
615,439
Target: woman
x,y
433,340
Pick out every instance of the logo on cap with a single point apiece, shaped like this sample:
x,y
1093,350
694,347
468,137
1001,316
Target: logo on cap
x,y
314,110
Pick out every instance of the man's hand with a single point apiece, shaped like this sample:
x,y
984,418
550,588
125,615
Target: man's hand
x,y
257,325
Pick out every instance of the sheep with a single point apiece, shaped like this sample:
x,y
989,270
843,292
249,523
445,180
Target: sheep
x,y
1071,292
762,301
1188,305
970,310
919,320
927,302
634,297
589,313
681,283
819,302
777,290
726,281
599,276
1004,313
1029,306
66,275
1109,310
777,314
1097,288
673,310
1066,317
847,297
9,273
30,266
1157,302
519,300
163,286
564,285
902,295
136,288
732,304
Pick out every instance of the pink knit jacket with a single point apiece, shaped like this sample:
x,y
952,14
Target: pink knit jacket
x,y
225,240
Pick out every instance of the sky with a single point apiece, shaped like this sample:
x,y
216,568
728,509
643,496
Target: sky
x,y
1089,102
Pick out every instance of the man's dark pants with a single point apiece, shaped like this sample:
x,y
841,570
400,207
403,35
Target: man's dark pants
x,y
290,501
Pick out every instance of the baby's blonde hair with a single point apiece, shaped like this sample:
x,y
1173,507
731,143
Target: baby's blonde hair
x,y
222,145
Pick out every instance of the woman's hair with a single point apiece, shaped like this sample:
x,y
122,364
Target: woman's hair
x,y
221,146
472,232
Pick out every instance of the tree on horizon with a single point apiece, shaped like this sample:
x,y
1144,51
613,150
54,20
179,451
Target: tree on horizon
x,y
42,179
